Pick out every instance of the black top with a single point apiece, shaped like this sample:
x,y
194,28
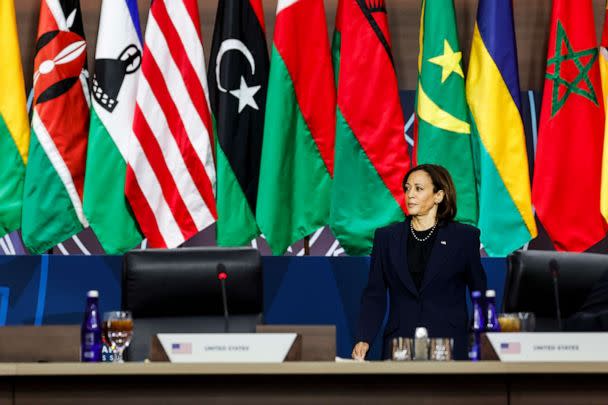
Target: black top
x,y
418,253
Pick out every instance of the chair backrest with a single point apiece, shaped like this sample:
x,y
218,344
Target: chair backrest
x,y
177,291
529,287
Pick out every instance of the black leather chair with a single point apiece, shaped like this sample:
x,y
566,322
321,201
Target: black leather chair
x,y
177,291
529,286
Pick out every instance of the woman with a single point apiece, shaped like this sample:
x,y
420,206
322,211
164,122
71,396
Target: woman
x,y
426,263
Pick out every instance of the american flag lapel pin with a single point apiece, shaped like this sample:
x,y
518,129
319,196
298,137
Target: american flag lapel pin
x,y
444,242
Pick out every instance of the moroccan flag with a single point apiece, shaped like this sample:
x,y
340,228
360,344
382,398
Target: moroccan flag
x,y
604,75
117,67
571,131
371,154
299,129
444,131
506,219
14,128
170,180
238,81
54,178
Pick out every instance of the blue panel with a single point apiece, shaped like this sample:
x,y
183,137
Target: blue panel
x,y
20,275
69,279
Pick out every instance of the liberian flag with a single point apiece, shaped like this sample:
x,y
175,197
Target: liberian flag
x,y
117,68
14,128
297,153
170,180
371,154
54,179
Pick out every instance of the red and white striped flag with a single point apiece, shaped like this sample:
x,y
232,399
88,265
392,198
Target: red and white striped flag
x,y
170,179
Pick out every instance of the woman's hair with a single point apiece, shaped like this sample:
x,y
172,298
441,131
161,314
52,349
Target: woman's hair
x,y
446,211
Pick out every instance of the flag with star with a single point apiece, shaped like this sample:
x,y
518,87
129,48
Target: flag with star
x,y
604,75
569,151
443,128
299,130
238,81
371,153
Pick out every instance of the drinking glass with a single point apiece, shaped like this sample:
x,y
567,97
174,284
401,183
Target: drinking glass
x,y
509,322
402,349
527,321
119,331
442,349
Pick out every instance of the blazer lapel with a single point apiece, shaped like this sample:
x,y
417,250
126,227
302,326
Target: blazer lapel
x,y
400,252
439,256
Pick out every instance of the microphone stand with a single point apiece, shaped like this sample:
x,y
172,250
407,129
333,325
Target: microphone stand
x,y
554,268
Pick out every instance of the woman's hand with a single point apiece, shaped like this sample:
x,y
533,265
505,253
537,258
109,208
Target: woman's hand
x,y
360,350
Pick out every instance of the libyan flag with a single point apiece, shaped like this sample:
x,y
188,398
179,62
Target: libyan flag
x,y
570,139
238,81
371,154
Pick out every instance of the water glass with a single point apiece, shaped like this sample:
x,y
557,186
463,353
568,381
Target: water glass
x,y
118,327
402,349
527,321
442,349
509,322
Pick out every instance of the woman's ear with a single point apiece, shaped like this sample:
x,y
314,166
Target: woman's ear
x,y
439,197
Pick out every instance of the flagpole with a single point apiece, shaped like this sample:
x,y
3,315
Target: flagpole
x,y
307,245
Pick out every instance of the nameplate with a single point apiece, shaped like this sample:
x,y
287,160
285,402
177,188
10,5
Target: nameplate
x,y
226,347
548,347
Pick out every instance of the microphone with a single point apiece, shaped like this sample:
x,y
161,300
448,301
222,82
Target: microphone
x,y
554,270
222,276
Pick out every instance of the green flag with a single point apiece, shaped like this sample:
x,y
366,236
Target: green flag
x,y
117,63
444,128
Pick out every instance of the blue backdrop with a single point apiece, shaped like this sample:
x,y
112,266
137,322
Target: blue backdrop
x,y
297,290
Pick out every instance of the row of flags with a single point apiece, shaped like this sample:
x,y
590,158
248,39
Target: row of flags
x,y
155,145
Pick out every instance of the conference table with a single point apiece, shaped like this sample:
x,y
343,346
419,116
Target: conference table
x,y
352,383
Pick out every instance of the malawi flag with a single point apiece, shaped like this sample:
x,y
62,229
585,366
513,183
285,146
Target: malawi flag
x,y
299,129
444,131
14,128
571,130
117,67
54,179
371,154
506,219
238,81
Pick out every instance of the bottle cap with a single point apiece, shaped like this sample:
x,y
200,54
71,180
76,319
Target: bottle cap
x,y
421,332
93,294
476,294
490,294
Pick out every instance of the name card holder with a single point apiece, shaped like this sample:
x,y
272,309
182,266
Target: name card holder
x,y
226,347
545,347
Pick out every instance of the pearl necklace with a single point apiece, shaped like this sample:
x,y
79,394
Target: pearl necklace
x,y
416,236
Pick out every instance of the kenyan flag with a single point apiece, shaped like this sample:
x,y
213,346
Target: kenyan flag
x,y
298,148
371,154
54,179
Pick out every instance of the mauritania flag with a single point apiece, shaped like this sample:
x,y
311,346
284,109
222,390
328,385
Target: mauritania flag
x,y
444,131
299,129
506,219
170,178
238,81
371,154
604,75
117,67
14,128
54,179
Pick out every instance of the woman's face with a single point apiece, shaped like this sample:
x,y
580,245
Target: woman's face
x,y
419,196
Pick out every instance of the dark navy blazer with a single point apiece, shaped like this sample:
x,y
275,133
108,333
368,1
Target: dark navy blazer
x,y
440,305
